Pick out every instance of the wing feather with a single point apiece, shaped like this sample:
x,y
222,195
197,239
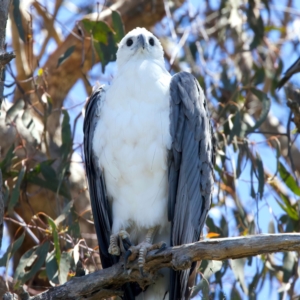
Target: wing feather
x,y
191,160
99,201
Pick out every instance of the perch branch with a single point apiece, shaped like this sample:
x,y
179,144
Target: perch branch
x,y
107,281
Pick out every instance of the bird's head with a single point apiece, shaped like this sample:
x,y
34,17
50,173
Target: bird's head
x,y
139,44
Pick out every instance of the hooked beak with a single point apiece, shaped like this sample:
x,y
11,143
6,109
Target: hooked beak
x,y
141,41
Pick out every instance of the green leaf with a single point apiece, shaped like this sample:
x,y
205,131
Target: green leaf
x,y
48,172
107,53
14,110
252,191
66,134
288,207
64,213
34,258
236,129
11,250
6,162
64,266
55,239
50,185
266,104
288,179
16,190
261,175
118,26
38,167
259,76
98,29
52,267
18,19
74,229
69,51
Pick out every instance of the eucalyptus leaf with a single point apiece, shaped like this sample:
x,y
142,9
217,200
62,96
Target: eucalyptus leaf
x,y
16,190
55,239
66,55
98,29
266,105
52,267
18,19
288,179
237,266
14,110
261,175
11,250
64,266
118,26
33,258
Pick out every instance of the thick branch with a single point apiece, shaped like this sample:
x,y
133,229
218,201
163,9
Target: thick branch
x,y
179,258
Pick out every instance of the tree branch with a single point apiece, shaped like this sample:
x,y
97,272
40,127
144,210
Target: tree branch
x,y
103,283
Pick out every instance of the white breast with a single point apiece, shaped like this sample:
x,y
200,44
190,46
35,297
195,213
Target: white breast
x,y
131,140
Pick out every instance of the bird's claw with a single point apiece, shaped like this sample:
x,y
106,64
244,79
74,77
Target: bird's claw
x,y
141,251
163,247
119,243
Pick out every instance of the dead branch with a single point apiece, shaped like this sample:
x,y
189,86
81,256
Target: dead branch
x,y
104,283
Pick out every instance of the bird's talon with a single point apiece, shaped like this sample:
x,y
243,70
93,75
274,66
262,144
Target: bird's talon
x,y
126,256
163,247
114,250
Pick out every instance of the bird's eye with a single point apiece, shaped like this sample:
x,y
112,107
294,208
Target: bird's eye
x,y
151,41
129,42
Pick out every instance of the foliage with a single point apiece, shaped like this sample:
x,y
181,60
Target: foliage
x,y
235,49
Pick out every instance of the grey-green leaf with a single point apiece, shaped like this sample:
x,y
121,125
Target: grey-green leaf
x,y
266,105
34,258
11,250
238,270
52,267
16,190
14,110
64,266
69,51
236,129
18,19
261,175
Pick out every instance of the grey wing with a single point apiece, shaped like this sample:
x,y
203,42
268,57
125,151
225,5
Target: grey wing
x,y
99,202
191,164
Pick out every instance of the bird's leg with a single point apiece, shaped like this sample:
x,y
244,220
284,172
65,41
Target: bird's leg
x,y
145,247
114,249
119,243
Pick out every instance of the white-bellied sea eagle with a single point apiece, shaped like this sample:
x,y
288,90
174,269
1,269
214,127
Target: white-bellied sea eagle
x,y
149,155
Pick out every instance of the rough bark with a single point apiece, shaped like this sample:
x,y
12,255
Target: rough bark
x,y
103,283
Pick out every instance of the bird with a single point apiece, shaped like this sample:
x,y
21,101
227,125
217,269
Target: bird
x,y
149,156
293,69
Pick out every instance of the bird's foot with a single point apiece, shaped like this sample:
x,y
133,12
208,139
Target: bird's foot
x,y
142,249
119,243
